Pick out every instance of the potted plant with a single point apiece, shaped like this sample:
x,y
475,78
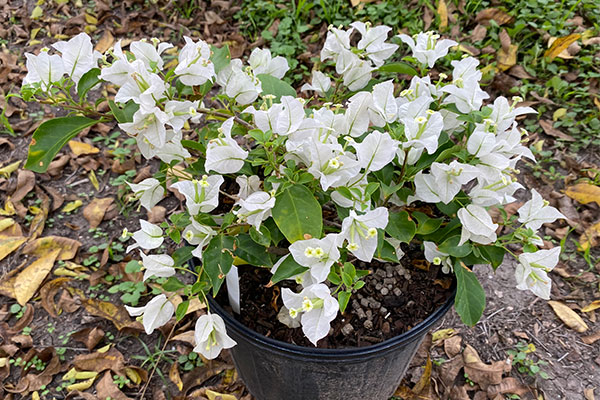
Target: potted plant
x,y
368,184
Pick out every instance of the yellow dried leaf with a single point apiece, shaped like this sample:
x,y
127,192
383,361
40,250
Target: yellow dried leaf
x,y
558,114
584,193
115,313
9,208
590,237
61,2
34,33
442,334
104,349
90,19
597,102
6,223
82,148
134,376
594,305
84,385
106,42
72,206
29,280
560,44
37,12
442,11
8,244
79,375
507,59
220,396
42,246
35,396
9,169
175,377
94,180
94,212
568,316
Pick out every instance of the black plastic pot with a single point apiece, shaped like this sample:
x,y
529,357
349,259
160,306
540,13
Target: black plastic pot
x,y
275,370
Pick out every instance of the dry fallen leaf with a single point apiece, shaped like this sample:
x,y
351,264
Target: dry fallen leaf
x,y
568,316
175,377
584,193
452,346
549,128
442,11
48,292
218,396
8,244
590,339
98,362
590,238
558,45
594,305
107,388
41,246
82,148
508,385
29,280
25,183
478,371
94,212
496,14
115,313
105,42
90,337
507,59
589,393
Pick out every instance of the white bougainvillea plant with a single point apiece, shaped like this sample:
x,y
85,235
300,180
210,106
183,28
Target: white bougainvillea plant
x,y
311,186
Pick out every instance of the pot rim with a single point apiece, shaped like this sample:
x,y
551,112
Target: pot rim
x,y
274,344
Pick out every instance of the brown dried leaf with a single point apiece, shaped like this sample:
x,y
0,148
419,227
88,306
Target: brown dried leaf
x,y
98,362
106,388
568,316
94,212
115,313
105,42
30,279
589,393
48,292
442,11
504,40
452,346
39,247
478,371
591,339
508,385
175,377
594,305
496,14
590,238
156,214
584,193
90,337
25,183
507,59
425,379
519,72
549,128
187,337
478,33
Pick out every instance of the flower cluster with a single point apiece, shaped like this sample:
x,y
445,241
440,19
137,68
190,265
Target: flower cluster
x,y
371,149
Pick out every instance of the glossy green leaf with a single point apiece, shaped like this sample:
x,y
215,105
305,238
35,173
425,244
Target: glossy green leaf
x,y
50,137
288,268
450,246
182,309
218,259
399,68
298,213
275,86
88,81
470,296
221,57
401,227
252,252
343,299
123,114
493,254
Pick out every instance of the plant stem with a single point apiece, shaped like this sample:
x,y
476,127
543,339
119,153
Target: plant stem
x,y
224,115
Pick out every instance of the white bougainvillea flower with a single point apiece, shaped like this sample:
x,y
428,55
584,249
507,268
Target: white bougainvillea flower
x,y
171,150
336,41
532,271
44,69
464,91
266,119
120,70
238,83
198,235
373,42
384,108
291,116
423,130
426,48
159,265
420,88
149,54
317,254
444,182
141,86
200,195
179,111
437,257
376,150
357,75
315,307
223,154
504,114
149,124
262,62
148,237
329,163
78,55
490,195
481,142
248,185
211,336
154,314
255,208
361,232
320,83
477,225
195,67
537,212
149,192
356,119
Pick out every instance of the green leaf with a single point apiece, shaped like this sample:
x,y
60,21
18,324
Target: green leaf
x,y
493,254
401,227
220,57
133,266
470,297
87,82
450,246
172,284
182,255
399,67
276,87
288,268
252,252
123,114
181,310
218,259
263,237
298,213
50,137
427,225
343,299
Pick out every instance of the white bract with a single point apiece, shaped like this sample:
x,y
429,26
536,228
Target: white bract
x,y
362,168
155,314
211,337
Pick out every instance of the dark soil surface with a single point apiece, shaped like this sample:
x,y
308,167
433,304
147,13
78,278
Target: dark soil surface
x,y
394,299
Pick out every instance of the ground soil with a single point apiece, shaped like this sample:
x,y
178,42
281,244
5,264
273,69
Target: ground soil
x,y
394,299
